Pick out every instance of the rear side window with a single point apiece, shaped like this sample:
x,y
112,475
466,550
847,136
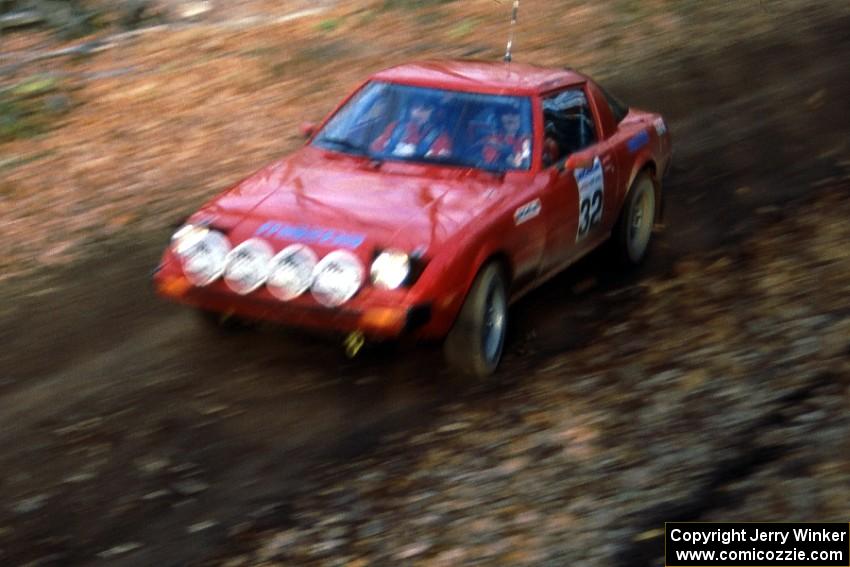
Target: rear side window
x,y
568,124
618,108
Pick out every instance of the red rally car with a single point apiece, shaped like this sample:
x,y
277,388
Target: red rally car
x,y
432,197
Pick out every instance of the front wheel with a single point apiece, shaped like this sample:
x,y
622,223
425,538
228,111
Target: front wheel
x,y
224,323
633,232
475,343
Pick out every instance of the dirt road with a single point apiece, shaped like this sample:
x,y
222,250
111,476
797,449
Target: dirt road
x,y
130,434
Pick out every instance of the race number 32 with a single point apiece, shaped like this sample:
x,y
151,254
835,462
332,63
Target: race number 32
x,y
591,190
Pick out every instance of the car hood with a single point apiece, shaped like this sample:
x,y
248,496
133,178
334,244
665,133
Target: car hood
x,y
330,200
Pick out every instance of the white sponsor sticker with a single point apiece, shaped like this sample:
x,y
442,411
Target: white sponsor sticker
x,y
591,190
660,126
527,212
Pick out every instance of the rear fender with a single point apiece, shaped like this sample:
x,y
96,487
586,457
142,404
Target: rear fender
x,y
645,163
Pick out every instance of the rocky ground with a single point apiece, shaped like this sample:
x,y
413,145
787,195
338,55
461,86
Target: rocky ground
x,y
711,385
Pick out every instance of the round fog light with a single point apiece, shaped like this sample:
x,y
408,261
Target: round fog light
x,y
291,272
336,278
247,266
202,254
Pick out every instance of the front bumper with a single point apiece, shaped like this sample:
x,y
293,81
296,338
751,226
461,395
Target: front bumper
x,y
377,315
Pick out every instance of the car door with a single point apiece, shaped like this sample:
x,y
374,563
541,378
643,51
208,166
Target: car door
x,y
612,149
586,192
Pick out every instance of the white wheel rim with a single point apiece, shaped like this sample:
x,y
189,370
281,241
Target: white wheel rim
x,y
493,331
641,219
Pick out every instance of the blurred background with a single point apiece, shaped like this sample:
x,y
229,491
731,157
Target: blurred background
x,y
713,385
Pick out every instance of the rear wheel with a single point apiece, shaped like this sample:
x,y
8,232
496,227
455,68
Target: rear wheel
x,y
633,232
475,343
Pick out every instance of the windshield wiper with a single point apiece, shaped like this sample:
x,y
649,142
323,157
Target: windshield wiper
x,y
345,144
462,163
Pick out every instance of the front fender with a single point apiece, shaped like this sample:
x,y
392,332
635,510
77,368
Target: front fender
x,y
451,273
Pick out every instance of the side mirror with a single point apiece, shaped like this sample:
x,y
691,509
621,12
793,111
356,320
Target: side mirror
x,y
579,161
307,129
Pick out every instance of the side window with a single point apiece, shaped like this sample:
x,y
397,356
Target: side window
x,y
568,125
618,109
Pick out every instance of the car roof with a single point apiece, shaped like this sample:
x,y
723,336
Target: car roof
x,y
481,76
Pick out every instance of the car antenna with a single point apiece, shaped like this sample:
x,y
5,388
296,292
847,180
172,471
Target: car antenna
x,y
508,56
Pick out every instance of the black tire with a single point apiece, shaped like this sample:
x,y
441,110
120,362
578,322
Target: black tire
x,y
225,324
632,234
474,345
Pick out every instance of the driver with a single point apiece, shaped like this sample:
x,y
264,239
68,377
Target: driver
x,y
419,135
508,145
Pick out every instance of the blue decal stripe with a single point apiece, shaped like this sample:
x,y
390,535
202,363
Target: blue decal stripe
x,y
310,234
269,228
638,141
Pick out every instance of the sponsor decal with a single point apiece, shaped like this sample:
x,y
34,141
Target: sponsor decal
x,y
310,234
638,141
591,190
660,126
527,212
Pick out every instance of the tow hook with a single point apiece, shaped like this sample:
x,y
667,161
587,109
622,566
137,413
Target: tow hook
x,y
353,343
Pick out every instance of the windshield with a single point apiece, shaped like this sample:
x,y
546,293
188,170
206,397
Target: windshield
x,y
400,122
